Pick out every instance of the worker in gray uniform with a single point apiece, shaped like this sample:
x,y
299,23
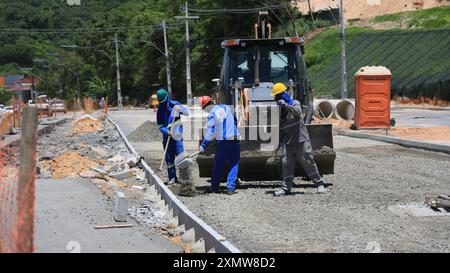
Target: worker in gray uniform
x,y
297,145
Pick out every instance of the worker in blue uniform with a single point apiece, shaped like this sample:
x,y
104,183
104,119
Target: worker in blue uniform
x,y
168,114
222,126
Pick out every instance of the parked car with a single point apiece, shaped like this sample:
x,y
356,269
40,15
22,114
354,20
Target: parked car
x,y
57,105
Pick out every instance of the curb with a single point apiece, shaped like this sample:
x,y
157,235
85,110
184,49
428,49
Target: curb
x,y
403,142
213,240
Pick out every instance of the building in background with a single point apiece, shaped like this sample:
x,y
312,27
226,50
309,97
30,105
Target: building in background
x,y
22,86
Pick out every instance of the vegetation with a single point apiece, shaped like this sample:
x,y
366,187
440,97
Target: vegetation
x,y
438,17
5,96
418,59
142,66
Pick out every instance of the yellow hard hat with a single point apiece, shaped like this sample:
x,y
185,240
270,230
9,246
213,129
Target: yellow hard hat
x,y
278,88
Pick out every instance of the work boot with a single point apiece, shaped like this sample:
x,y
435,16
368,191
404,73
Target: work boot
x,y
171,182
321,188
281,192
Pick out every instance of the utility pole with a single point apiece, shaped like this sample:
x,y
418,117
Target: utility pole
x,y
119,91
188,58
343,56
310,11
166,50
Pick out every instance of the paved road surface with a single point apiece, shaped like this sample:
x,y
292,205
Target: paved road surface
x,y
66,213
420,118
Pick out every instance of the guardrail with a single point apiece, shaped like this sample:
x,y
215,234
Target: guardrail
x,y
213,240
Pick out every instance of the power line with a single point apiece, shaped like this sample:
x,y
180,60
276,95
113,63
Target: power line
x,y
234,11
78,30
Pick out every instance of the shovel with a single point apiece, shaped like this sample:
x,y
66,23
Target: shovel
x,y
183,160
165,152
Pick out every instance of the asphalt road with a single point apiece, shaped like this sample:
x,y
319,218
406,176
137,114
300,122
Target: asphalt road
x,y
66,213
420,118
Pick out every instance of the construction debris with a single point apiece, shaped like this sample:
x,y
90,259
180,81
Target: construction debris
x,y
69,164
440,201
87,124
120,207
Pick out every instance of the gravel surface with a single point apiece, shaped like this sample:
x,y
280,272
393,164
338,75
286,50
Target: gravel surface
x,y
354,213
375,199
148,131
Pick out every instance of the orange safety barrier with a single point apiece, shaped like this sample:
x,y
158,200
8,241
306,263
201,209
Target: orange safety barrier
x,y
17,189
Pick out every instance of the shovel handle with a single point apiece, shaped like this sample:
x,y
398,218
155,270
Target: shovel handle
x,y
165,152
194,154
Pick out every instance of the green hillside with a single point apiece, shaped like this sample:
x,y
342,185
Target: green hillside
x,y
418,57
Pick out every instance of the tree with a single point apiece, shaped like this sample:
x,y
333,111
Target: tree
x,y
5,96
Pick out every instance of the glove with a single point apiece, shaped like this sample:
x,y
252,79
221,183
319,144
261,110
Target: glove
x,y
201,149
281,103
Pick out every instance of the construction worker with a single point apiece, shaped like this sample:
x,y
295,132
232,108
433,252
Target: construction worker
x,y
168,113
295,138
222,126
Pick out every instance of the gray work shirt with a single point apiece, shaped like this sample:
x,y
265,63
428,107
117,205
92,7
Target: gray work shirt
x,y
292,127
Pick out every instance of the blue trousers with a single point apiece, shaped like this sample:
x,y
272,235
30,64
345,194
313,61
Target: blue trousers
x,y
175,148
226,150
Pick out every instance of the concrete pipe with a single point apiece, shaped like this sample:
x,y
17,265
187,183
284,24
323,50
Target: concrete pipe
x,y
345,109
323,109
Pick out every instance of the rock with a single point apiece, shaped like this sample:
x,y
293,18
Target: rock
x,y
114,168
116,158
132,162
122,175
138,187
88,174
45,174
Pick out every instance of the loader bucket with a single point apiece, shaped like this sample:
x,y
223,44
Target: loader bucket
x,y
261,162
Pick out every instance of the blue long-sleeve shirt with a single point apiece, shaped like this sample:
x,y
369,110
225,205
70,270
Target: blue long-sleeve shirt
x,y
221,125
165,117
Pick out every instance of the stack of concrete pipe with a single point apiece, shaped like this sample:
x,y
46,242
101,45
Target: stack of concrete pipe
x,y
343,109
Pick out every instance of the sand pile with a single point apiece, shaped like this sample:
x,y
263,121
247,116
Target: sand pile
x,y
438,133
87,124
338,125
68,164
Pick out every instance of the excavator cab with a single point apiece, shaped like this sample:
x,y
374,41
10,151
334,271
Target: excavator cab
x,y
250,68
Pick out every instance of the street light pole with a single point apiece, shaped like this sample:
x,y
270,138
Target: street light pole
x,y
343,56
119,91
166,50
188,58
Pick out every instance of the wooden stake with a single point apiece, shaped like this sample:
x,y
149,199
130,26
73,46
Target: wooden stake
x,y
113,226
26,186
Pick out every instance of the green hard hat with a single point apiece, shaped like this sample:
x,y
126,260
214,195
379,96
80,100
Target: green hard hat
x,y
162,95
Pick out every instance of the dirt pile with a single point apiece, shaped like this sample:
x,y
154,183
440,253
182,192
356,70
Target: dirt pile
x,y
369,8
438,133
86,125
147,132
338,125
400,101
68,164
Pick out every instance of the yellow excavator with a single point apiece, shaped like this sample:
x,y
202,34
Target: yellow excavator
x,y
249,70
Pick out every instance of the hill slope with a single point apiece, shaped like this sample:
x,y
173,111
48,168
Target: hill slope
x,y
419,60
